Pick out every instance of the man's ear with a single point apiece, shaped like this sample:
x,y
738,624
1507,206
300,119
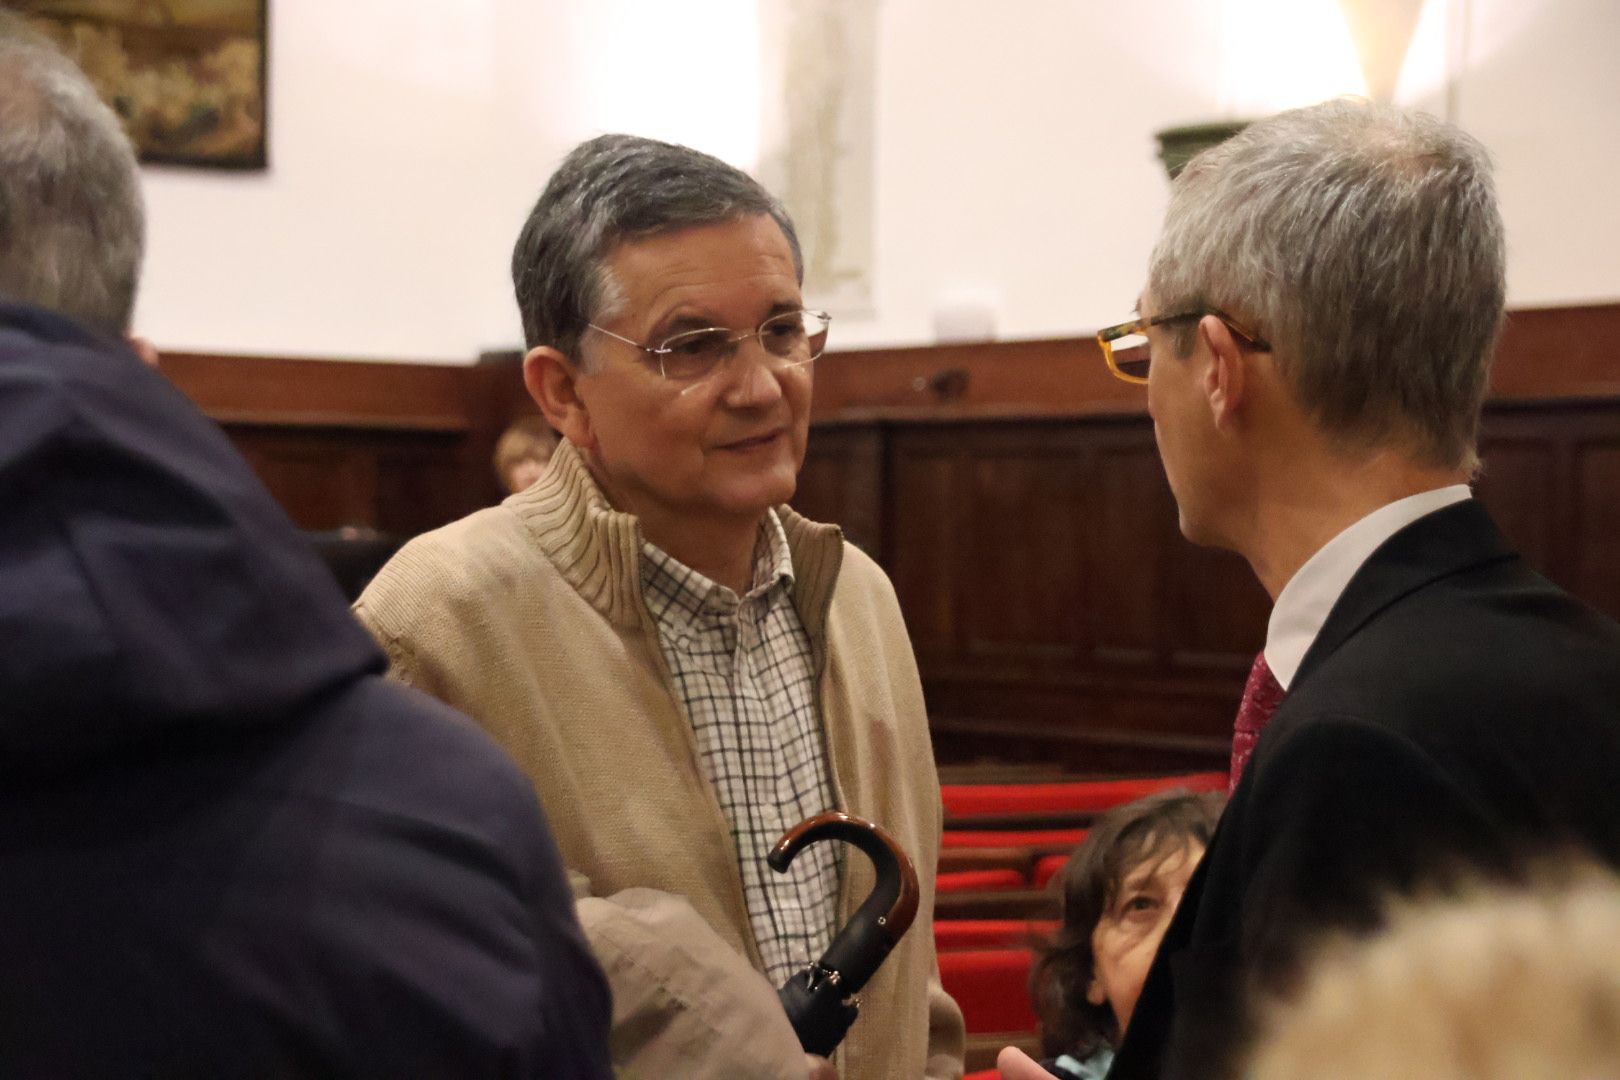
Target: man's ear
x,y
553,382
1226,378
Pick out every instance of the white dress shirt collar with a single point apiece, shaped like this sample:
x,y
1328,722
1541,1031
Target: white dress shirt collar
x,y
1304,603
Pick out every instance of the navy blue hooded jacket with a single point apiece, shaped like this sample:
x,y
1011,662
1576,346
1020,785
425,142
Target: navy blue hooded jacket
x,y
228,845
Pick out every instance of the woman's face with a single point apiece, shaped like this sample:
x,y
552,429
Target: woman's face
x,y
1128,935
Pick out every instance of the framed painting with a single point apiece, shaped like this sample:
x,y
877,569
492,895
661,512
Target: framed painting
x,y
186,76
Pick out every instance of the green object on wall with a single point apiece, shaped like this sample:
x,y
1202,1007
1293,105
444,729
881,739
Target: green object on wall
x,y
1178,145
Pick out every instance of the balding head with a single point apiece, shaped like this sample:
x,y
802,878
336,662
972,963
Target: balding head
x,y
72,226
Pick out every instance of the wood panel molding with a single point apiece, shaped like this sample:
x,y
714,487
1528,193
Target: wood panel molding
x,y
281,392
396,447
1545,354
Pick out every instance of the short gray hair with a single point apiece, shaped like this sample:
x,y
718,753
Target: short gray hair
x,y
72,225
1364,242
607,190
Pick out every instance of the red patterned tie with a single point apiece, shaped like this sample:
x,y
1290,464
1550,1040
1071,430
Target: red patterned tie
x,y
1261,696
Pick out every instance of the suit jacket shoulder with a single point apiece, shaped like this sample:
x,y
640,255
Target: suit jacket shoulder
x,y
1456,714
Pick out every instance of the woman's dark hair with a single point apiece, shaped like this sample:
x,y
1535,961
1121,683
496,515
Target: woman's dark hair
x,y
1148,829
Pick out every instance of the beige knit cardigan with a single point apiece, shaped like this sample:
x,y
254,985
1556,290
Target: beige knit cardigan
x,y
529,618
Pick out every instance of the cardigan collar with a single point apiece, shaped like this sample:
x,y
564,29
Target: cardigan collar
x,y
597,549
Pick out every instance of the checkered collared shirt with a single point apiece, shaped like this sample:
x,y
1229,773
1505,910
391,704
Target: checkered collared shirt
x,y
745,672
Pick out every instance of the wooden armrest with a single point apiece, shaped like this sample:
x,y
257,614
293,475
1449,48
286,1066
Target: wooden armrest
x,y
1022,859
1000,904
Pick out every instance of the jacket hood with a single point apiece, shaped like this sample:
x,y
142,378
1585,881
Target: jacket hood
x,y
149,585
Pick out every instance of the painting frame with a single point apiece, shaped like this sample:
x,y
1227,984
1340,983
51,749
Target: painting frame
x,y
189,78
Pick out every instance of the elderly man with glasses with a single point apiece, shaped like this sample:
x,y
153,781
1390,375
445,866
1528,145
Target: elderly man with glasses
x,y
1315,338
684,666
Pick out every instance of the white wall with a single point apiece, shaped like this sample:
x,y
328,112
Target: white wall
x,y
1543,92
371,234
1015,158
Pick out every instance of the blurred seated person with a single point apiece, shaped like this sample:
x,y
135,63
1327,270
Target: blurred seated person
x,y
522,453
354,554
1502,984
229,846
684,666
1116,895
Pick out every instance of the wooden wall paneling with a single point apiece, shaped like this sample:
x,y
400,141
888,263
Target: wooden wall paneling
x,y
1004,378
496,397
1524,484
323,480
1130,542
1215,613
1019,573
1094,705
1596,533
397,447
398,483
1551,481
1079,729
1010,544
1559,353
843,482
1597,554
1011,489
422,484
273,391
923,543
1546,353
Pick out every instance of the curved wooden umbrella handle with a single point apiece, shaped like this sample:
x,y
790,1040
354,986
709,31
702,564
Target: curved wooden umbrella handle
x,y
886,914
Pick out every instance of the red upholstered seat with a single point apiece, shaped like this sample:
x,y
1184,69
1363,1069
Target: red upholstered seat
x,y
991,986
1088,796
1046,867
953,934
979,881
996,838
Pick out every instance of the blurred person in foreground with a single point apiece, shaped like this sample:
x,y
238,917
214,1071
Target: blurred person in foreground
x,y
684,666
1315,337
1499,984
229,846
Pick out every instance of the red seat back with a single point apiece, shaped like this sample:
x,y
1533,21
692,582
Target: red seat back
x,y
989,838
991,986
1078,796
954,934
979,881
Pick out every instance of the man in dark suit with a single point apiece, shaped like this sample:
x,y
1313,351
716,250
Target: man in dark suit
x,y
1315,337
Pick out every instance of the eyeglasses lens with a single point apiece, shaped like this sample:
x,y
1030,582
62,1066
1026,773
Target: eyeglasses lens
x,y
796,337
694,354
1131,355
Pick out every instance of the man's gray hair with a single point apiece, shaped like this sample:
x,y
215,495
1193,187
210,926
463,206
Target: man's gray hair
x,y
1364,242
611,189
72,225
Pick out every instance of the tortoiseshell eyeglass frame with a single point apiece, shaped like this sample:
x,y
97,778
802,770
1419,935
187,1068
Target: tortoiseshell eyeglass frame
x,y
1108,335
